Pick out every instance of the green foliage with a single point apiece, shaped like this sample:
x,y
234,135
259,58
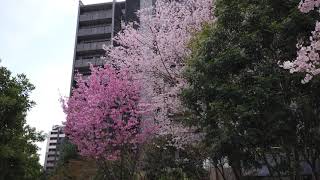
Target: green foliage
x,y
67,151
241,98
166,162
80,168
18,152
123,168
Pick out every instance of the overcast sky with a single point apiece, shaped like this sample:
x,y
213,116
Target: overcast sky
x,y
37,39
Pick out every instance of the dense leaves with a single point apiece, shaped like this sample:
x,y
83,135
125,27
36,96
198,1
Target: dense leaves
x,y
250,109
18,152
68,151
307,60
161,161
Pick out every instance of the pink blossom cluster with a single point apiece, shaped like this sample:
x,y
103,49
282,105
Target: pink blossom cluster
x,y
307,5
307,57
307,60
104,114
155,52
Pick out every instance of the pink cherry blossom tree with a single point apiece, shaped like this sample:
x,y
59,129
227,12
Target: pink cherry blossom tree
x,y
307,5
155,51
307,60
104,114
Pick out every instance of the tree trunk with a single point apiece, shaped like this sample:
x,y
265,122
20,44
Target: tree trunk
x,y
121,164
297,164
313,167
315,175
291,173
217,170
220,171
277,164
270,169
235,172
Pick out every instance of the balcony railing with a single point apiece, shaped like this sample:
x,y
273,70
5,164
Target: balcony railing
x,y
53,152
50,164
56,135
96,15
93,31
92,46
52,158
81,63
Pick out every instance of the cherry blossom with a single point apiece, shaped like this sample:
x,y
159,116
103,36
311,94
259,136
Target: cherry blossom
x,y
155,51
104,114
307,60
307,5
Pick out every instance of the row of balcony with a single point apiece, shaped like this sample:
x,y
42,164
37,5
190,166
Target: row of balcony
x,y
53,152
50,164
61,135
94,31
52,158
96,15
82,63
92,46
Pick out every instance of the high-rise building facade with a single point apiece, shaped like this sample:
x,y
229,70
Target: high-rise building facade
x,y
96,25
54,139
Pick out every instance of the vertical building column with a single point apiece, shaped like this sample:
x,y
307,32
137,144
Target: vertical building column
x,y
112,24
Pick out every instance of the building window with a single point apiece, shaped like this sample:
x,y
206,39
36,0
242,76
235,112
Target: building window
x,y
49,168
52,155
50,162
90,26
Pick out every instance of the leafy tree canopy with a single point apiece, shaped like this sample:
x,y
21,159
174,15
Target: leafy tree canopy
x,y
18,152
240,97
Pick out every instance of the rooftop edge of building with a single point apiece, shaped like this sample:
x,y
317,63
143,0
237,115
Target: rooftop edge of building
x,y
97,5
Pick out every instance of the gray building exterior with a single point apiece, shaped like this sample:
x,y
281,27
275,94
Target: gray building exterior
x,y
94,29
96,24
54,140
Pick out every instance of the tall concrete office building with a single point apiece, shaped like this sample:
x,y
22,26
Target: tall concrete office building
x,y
54,139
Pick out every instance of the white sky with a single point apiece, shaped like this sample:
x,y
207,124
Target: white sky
x,y
37,39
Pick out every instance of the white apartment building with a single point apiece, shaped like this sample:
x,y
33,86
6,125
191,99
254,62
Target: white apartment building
x,y
54,139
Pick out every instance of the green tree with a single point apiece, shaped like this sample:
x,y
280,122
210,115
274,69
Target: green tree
x,y
252,111
68,151
162,161
18,153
